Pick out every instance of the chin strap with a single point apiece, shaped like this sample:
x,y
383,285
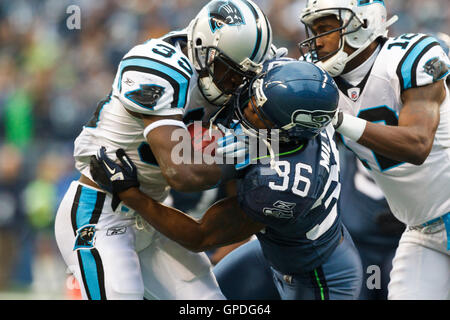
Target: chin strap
x,y
273,162
210,91
336,64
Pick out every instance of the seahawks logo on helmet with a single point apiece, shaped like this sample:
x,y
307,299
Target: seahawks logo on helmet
x,y
312,119
224,12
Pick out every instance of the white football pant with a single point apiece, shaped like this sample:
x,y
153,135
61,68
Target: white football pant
x,y
114,257
421,266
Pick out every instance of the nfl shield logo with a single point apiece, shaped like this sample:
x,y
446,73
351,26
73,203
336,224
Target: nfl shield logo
x,y
353,93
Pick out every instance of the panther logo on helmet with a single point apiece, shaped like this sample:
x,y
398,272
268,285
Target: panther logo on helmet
x,y
224,12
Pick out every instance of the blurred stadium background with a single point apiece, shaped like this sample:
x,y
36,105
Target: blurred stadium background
x,y
50,81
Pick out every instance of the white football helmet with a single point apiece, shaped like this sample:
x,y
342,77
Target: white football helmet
x,y
362,22
234,34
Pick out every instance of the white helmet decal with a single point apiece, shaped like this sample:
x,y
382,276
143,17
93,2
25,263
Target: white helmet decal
x,y
224,12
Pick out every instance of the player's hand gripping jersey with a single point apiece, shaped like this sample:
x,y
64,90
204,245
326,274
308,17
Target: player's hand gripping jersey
x,y
154,78
407,61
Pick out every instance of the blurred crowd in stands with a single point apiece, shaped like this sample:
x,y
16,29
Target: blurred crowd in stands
x,y
51,78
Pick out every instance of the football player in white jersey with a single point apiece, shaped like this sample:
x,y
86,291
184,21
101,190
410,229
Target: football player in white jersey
x,y
395,115
110,250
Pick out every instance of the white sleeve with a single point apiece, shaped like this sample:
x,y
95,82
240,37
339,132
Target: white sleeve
x,y
434,66
424,63
150,87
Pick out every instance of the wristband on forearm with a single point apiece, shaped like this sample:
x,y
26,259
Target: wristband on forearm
x,y
350,126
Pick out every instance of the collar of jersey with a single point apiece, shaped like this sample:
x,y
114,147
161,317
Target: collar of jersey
x,y
357,75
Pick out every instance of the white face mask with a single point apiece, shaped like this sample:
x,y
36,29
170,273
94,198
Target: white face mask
x,y
336,64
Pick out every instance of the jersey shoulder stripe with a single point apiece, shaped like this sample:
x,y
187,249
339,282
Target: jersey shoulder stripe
x,y
178,79
407,68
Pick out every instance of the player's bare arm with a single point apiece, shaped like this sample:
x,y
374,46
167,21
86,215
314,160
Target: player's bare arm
x,y
223,223
411,141
185,177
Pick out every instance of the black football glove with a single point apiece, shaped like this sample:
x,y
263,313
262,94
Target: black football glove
x,y
113,177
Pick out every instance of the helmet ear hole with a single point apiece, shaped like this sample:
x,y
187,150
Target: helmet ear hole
x,y
198,42
365,24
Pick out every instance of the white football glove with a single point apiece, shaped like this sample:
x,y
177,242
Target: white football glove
x,y
234,146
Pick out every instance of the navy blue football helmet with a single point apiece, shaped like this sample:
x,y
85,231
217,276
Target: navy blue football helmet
x,y
296,97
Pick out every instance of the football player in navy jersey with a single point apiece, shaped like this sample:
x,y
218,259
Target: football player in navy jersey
x,y
291,204
395,116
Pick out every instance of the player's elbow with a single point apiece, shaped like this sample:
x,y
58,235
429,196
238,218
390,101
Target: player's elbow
x,y
421,151
178,184
177,179
183,184
417,160
186,179
199,245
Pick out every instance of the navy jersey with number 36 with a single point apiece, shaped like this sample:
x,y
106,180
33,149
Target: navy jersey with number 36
x,y
299,207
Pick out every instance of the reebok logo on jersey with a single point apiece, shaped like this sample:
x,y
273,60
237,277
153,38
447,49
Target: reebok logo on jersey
x,y
116,231
128,82
283,205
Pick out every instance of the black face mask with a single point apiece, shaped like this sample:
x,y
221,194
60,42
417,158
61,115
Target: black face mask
x,y
226,74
